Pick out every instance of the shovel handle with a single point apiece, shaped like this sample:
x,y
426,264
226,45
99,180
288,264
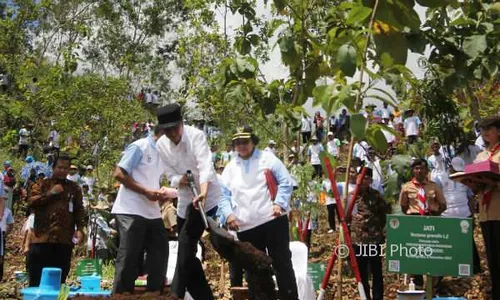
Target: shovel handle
x,y
191,184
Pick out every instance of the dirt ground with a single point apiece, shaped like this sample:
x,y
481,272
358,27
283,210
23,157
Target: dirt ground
x,y
475,287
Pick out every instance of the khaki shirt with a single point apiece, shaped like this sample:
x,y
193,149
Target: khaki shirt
x,y
436,202
169,215
492,212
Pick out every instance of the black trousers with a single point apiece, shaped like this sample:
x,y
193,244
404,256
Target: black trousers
x,y
367,264
189,273
318,171
491,233
306,136
48,255
274,237
332,211
138,233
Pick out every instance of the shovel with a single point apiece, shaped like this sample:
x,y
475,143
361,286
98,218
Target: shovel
x,y
218,235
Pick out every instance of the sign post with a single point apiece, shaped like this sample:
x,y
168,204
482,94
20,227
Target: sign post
x,y
432,246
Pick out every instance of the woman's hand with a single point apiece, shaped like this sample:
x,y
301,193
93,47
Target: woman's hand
x,y
277,210
232,223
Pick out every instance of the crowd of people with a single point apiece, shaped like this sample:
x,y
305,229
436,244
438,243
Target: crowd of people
x,y
249,191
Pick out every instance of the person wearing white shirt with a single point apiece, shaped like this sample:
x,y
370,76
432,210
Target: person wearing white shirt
x,y
313,154
374,164
385,112
437,163
73,174
227,155
257,215
412,127
333,144
306,128
390,138
88,179
23,141
138,215
459,201
6,225
54,139
272,147
480,143
185,148
331,203
360,150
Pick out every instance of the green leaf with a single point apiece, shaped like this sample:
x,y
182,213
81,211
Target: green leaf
x,y
346,58
246,67
280,4
474,45
386,60
358,126
358,14
376,138
416,42
393,43
322,94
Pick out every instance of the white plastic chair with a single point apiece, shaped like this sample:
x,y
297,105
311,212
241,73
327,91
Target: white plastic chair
x,y
305,286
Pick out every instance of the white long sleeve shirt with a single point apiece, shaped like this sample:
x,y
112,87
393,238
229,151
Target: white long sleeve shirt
x,y
246,193
192,153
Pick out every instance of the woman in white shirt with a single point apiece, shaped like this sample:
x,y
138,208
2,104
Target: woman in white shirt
x,y
459,201
254,211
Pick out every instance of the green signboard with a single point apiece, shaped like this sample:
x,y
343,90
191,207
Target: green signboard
x,y
436,246
316,271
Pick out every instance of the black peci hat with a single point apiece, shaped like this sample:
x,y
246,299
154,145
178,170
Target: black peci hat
x,y
169,115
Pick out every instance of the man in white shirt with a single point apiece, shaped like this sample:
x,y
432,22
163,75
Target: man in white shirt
x,y
333,144
412,127
437,163
73,174
271,147
313,154
385,112
54,139
23,141
306,129
88,179
185,148
138,215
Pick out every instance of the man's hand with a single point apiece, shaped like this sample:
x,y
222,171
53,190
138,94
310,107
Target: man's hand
x,y
200,198
153,195
57,189
277,210
232,223
78,237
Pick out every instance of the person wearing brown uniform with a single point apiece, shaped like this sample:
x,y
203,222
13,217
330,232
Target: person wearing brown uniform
x,y
488,191
58,208
421,197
